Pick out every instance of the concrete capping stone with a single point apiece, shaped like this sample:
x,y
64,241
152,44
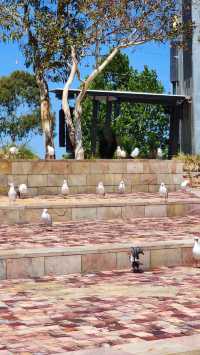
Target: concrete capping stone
x,y
140,188
18,179
4,181
135,167
5,167
156,211
21,167
99,262
99,167
176,209
2,269
37,180
165,257
187,256
74,180
55,180
133,211
80,167
84,213
25,267
57,261
109,212
63,264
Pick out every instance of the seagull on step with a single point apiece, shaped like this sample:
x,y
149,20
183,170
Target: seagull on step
x,y
51,151
196,250
185,184
163,191
12,194
23,190
46,218
159,153
65,188
121,187
100,189
135,152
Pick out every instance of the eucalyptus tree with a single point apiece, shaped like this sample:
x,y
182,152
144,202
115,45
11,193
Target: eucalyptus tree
x,y
19,107
112,25
44,44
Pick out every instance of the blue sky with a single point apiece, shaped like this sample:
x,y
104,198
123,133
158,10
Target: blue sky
x,y
156,56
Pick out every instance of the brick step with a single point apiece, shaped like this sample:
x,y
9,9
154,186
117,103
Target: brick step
x,y
36,262
89,206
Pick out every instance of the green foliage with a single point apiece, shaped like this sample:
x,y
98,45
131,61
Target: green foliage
x,y
143,125
19,107
24,152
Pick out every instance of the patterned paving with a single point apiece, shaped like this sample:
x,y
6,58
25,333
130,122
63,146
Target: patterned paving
x,y
52,315
80,233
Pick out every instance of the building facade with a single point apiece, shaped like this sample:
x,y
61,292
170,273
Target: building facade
x,y
185,78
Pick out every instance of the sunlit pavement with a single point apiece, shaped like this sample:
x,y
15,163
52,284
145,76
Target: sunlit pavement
x,y
53,315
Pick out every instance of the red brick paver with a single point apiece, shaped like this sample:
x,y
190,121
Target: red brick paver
x,y
80,233
52,315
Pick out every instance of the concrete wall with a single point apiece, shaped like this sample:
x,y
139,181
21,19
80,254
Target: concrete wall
x,y
46,177
30,263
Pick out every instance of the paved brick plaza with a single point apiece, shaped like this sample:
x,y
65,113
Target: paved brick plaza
x,y
83,233
52,315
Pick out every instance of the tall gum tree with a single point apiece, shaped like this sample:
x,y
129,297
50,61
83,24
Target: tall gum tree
x,y
114,25
44,43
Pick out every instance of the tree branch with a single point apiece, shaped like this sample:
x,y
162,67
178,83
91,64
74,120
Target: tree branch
x,y
65,104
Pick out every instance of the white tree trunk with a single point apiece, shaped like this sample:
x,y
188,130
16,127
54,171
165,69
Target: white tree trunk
x,y
76,134
79,151
46,117
65,103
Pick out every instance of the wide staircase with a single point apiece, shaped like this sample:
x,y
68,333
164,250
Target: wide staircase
x,y
92,233
68,288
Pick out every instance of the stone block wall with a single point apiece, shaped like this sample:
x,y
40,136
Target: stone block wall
x,y
30,263
46,177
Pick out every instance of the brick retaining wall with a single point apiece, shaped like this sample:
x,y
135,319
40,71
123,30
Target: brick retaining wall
x,y
46,177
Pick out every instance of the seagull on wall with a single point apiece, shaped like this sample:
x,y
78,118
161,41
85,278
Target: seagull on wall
x,y
159,153
12,194
185,185
13,150
100,189
163,191
121,187
50,151
135,152
65,188
23,190
196,250
118,152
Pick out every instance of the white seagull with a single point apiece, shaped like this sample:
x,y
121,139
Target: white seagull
x,y
185,184
163,191
12,194
135,152
100,189
51,151
23,190
159,153
118,152
65,188
46,218
13,150
196,250
123,153
121,187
